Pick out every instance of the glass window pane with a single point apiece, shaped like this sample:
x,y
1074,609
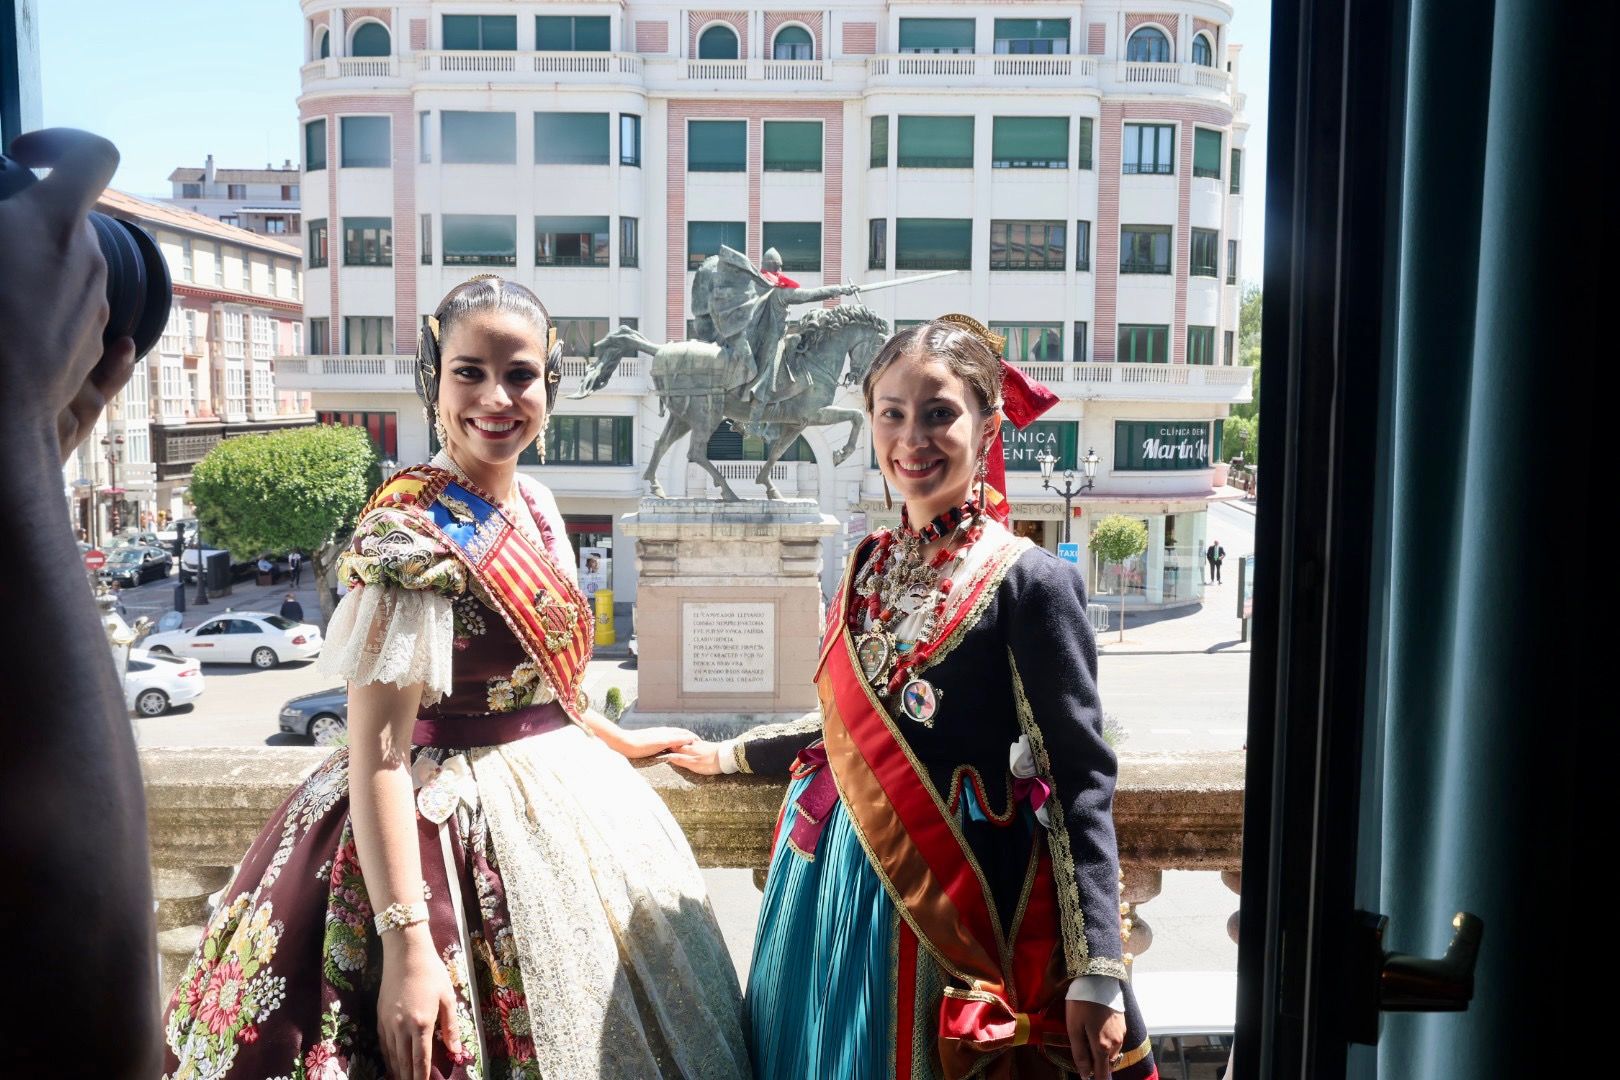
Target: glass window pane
x,y
936,142
704,238
467,138
571,138
499,32
1083,140
371,39
1206,152
718,43
1148,44
792,146
1026,142
717,145
933,244
936,35
629,139
592,33
461,32
798,242
365,141
880,141
479,239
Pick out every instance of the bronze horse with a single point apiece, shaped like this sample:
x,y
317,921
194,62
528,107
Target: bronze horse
x,y
690,377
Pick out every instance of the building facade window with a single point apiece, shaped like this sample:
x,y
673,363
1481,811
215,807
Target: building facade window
x,y
482,33
629,139
236,191
793,146
320,336
314,147
572,33
232,335
235,391
933,244
1140,344
1207,153
171,388
704,238
793,43
1226,348
365,142
1144,249
1081,336
717,146
371,39
1031,342
1032,37
629,242
588,440
187,266
368,335
1082,245
1203,53
478,138
1030,142
880,142
424,137
478,239
1201,345
935,142
191,191
169,340
264,338
275,226
572,138
137,392
798,242
729,444
323,44
1231,262
717,43
1150,148
427,239
1206,250
1027,245
1148,45
936,36
579,335
571,241
189,326
368,241
877,244
381,427
1084,140
1235,177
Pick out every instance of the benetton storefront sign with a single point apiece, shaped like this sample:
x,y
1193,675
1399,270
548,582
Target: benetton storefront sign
x,y
1161,445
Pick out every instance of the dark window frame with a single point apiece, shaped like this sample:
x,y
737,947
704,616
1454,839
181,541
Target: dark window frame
x,y
792,258
311,143
1156,167
382,324
483,21
912,262
1082,246
344,161
1231,262
449,258
730,165
1147,35
1200,135
633,157
877,244
998,161
1082,335
879,148
629,242
1152,333
933,162
573,33
1012,236
709,35
319,253
1208,266
427,239
355,233
597,243
564,440
790,164
1201,343
1130,264
694,260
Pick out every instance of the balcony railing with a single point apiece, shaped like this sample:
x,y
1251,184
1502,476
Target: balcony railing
x,y
990,69
1125,381
368,372
205,805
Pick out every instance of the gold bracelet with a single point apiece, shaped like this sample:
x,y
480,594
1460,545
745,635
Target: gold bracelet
x,y
398,916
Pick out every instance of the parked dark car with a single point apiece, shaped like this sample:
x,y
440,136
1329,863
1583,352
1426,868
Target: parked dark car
x,y
130,566
322,716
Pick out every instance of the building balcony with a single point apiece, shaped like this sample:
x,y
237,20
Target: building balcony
x,y
903,70
633,376
367,69
522,67
205,805
1145,382
386,373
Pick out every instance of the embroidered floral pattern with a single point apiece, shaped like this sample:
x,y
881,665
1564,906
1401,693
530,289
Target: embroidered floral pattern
x,y
226,991
524,687
501,999
390,546
345,948
470,620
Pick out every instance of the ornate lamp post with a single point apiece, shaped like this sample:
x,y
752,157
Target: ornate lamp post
x,y
1069,491
110,445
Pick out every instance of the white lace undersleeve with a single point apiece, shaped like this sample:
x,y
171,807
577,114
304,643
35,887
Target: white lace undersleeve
x,y
387,633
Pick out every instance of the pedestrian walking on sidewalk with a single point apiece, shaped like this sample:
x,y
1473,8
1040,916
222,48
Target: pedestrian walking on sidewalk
x,y
1215,556
292,609
295,566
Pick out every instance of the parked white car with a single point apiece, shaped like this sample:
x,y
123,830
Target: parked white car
x,y
154,683
241,637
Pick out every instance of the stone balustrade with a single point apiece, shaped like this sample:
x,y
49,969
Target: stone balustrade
x,y
205,805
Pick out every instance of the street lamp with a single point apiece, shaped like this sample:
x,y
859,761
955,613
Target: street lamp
x,y
110,444
1069,491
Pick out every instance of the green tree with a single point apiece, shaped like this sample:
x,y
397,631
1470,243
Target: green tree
x,y
1242,437
297,489
1249,349
1118,539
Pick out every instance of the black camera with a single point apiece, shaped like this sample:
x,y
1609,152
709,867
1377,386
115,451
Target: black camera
x,y
138,289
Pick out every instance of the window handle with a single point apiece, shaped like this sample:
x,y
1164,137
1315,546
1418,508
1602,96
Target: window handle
x,y
1396,982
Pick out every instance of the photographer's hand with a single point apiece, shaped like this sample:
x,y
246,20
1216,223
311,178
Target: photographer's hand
x,y
54,372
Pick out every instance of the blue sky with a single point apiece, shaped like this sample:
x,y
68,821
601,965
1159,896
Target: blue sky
x,y
171,83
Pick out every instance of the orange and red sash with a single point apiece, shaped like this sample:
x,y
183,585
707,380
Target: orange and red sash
x,y
1012,1004
537,599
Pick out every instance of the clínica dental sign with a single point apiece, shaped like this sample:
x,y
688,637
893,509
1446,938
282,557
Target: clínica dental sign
x,y
1162,445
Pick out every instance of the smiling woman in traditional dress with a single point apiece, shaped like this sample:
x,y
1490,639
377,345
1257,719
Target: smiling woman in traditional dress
x,y
943,897
479,885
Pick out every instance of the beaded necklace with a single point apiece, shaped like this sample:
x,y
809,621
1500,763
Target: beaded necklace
x,y
898,581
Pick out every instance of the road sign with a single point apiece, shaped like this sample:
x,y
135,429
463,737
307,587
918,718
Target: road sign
x,y
94,559
1069,553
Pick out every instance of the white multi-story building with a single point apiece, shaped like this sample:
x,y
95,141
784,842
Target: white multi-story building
x,y
237,306
1081,165
264,201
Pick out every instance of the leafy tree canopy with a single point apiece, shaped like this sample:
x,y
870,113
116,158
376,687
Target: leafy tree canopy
x,y
1117,538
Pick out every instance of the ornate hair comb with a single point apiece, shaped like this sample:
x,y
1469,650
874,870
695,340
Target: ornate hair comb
x,y
992,341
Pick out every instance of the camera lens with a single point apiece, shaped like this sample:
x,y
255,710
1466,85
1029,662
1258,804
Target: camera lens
x,y
138,290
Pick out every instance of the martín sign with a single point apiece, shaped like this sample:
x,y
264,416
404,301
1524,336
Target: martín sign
x,y
1161,445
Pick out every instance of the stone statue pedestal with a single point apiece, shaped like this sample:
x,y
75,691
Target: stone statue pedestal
x,y
728,611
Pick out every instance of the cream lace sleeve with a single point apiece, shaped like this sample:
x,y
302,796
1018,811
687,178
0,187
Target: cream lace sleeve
x,y
388,633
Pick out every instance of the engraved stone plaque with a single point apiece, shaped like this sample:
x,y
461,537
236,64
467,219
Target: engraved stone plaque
x,y
728,648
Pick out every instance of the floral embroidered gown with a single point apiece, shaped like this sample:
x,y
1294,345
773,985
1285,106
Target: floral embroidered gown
x,y
563,898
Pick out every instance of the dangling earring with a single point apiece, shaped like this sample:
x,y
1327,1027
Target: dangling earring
x,y
439,432
540,446
888,499
982,472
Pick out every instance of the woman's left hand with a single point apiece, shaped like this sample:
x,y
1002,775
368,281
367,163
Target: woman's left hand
x,y
1096,1034
636,743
